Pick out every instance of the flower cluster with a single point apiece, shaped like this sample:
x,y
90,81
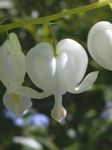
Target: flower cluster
x,y
55,71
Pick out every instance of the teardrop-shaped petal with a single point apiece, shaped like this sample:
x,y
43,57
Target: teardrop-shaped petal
x,y
72,62
12,61
13,39
58,112
87,82
41,66
28,92
16,103
100,44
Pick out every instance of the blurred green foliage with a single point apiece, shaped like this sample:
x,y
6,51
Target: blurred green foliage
x,y
88,125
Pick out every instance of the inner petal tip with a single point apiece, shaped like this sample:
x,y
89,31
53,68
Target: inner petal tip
x,y
59,115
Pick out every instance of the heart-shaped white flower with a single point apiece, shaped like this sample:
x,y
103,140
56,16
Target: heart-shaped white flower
x,y
12,72
100,44
60,74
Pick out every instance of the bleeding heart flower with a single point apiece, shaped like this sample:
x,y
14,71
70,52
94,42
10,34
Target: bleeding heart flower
x,y
100,44
56,75
12,72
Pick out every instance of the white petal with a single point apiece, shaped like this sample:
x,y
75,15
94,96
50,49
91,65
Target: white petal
x,y
58,112
28,142
100,44
12,62
41,66
16,103
13,39
29,92
87,83
72,62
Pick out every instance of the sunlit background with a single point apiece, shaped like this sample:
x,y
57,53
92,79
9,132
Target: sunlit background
x,y
88,125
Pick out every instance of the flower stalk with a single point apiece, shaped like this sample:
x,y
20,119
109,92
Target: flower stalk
x,y
42,20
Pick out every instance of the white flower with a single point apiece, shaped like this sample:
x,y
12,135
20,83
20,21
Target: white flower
x,y
56,75
12,72
28,142
100,44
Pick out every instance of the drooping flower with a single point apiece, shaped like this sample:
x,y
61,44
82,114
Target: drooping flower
x,y
12,71
56,75
100,44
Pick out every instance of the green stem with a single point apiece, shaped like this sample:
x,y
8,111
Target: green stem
x,y
56,16
53,39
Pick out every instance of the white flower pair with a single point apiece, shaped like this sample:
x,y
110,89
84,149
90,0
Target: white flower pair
x,y
55,75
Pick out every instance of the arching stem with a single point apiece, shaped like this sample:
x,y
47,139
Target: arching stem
x,y
42,20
